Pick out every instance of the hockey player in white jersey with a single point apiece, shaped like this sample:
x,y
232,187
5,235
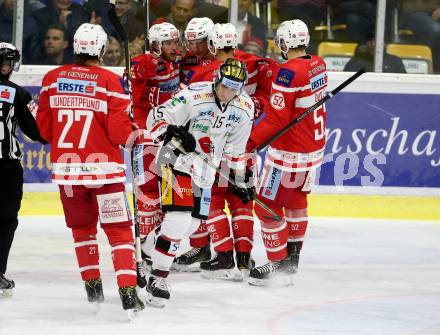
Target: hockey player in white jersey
x,y
214,119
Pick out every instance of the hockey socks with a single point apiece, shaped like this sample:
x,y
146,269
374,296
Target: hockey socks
x,y
297,221
123,255
87,252
220,232
200,237
243,230
275,239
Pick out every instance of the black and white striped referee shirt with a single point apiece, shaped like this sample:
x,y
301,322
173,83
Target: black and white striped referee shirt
x,y
16,109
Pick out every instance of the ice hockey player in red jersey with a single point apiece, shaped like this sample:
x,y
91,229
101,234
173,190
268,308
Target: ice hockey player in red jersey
x,y
292,159
222,42
155,79
83,114
196,43
260,76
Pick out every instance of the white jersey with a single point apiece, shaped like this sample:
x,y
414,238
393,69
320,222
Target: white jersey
x,y
219,129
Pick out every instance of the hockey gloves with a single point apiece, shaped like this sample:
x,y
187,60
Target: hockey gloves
x,y
152,94
258,108
182,135
244,189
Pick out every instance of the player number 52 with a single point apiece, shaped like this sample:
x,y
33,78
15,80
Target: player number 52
x,y
72,116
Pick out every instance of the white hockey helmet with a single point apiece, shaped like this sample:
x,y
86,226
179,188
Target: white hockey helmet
x,y
198,28
292,34
162,32
89,39
221,36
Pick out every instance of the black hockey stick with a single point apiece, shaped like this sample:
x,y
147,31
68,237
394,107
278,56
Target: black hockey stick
x,y
329,95
123,35
142,281
146,5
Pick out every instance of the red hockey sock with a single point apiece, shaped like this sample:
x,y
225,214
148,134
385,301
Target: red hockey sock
x,y
297,221
219,231
274,232
275,239
123,256
243,230
200,238
149,212
87,253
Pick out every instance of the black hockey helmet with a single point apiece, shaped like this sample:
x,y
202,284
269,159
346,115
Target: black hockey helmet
x,y
9,55
232,74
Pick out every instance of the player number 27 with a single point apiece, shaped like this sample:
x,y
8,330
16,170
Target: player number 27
x,y
72,116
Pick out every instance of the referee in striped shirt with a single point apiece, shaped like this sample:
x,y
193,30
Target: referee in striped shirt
x,y
16,109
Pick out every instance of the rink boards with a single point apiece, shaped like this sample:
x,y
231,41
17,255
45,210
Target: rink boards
x,y
382,142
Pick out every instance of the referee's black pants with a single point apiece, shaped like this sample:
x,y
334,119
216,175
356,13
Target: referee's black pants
x,y
11,192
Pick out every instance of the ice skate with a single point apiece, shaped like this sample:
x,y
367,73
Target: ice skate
x,y
273,273
190,261
95,294
293,249
6,286
245,263
222,266
143,269
158,291
130,301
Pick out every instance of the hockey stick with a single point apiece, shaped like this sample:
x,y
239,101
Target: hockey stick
x,y
118,26
311,109
207,160
146,5
279,134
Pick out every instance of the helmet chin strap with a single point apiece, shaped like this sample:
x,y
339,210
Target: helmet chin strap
x,y
283,48
210,50
158,54
101,55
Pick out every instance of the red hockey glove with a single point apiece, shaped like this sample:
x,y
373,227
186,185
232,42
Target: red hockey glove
x,y
258,108
152,94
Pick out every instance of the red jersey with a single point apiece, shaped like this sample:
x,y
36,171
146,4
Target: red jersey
x,y
260,74
83,114
297,85
192,64
251,62
205,71
149,73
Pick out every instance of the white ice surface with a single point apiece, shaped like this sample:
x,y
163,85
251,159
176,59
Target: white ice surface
x,y
356,277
